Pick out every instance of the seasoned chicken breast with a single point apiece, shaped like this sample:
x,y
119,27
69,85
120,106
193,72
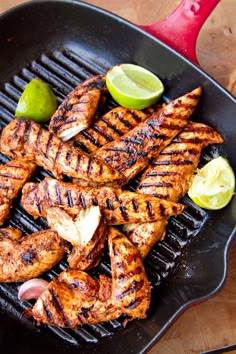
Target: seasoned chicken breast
x,y
10,233
87,233
26,139
169,177
132,152
78,109
13,175
23,258
74,298
111,126
117,206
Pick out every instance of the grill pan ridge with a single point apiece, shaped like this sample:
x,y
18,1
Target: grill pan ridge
x,y
169,264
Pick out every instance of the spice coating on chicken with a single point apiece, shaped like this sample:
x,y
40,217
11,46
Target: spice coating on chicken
x,y
74,298
10,232
29,256
77,110
26,139
131,290
87,233
169,177
117,206
132,152
13,175
111,126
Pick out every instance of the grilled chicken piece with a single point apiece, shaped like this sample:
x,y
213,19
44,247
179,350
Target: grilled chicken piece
x,y
132,152
77,110
26,139
87,233
29,256
74,298
131,290
13,175
109,127
10,233
117,206
169,177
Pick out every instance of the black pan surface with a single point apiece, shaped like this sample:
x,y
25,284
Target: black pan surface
x,y
64,42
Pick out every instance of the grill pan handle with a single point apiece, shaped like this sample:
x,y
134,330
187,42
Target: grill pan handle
x,y
181,28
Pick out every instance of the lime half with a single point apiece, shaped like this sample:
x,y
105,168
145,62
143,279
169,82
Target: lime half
x,y
133,86
213,185
37,102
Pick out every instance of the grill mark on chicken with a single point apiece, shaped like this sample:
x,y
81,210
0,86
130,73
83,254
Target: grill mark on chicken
x,y
27,132
132,305
88,136
91,170
38,138
155,184
48,145
135,205
136,285
124,213
58,194
109,204
170,162
58,307
69,198
47,195
48,313
112,127
103,133
107,128
135,271
150,210
82,201
145,141
161,173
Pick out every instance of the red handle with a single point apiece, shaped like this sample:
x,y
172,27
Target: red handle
x,y
181,28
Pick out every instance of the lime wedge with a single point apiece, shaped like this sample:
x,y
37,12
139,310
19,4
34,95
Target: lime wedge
x,y
37,102
133,86
213,185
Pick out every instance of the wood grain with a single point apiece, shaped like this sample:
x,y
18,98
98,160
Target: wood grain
x,y
211,324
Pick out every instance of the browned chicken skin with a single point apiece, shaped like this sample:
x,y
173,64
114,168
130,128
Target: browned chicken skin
x,y
26,139
13,175
77,110
29,256
132,152
87,233
169,177
74,298
117,206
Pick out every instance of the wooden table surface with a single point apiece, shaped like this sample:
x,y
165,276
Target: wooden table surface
x,y
211,324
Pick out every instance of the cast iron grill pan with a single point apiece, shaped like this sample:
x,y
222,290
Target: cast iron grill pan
x,y
63,43
63,71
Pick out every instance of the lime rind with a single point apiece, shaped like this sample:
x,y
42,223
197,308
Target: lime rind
x,y
213,186
133,86
37,102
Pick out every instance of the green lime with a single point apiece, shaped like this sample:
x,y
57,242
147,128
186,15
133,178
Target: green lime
x,y
37,102
213,185
133,86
